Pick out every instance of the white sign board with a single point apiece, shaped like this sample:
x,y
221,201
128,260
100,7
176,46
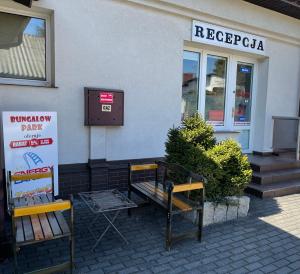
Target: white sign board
x,y
227,38
30,146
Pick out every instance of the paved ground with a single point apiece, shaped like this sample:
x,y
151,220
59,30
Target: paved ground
x,y
268,241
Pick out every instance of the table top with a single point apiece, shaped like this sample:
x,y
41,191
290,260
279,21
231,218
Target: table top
x,y
106,200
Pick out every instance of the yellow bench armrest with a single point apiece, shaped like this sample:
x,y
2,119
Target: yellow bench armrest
x,y
188,187
143,167
41,208
26,177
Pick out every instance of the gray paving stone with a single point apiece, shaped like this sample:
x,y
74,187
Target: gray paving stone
x,y
252,259
240,271
112,268
132,269
269,268
295,265
253,266
267,241
283,270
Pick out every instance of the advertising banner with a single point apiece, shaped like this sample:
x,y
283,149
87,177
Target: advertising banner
x,y
30,146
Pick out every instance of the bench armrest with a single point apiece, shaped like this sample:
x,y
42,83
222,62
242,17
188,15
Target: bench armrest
x,y
188,187
41,208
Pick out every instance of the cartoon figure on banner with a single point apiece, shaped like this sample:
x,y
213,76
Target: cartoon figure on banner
x,y
31,158
35,165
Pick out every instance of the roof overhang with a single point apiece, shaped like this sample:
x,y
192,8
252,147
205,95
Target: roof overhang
x,y
288,7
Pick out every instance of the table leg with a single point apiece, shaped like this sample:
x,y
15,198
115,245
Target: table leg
x,y
111,224
107,228
90,226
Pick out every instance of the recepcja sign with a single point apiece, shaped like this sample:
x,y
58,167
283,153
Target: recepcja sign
x,y
30,146
227,38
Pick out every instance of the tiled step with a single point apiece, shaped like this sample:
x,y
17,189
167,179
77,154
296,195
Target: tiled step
x,y
274,189
269,177
272,163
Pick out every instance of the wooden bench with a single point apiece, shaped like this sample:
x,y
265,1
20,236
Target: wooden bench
x,y
39,218
168,196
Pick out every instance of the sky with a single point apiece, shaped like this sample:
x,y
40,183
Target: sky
x,y
33,25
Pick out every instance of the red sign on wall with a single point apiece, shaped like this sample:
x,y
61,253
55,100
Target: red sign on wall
x,y
106,98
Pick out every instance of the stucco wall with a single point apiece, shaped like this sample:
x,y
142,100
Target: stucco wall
x,y
128,46
283,85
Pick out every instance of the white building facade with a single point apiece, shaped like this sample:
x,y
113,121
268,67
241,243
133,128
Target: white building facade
x,y
235,63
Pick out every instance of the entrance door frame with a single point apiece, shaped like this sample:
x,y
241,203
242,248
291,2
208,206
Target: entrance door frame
x,y
232,60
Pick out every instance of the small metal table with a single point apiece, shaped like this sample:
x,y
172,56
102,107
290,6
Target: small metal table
x,y
103,202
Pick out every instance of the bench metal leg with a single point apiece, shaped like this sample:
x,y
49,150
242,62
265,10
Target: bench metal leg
x,y
200,216
129,197
200,224
71,253
14,245
15,259
169,231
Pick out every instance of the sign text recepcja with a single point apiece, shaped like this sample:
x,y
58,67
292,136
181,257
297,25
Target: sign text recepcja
x,y
228,38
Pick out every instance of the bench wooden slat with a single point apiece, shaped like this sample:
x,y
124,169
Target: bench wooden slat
x,y
60,219
36,226
26,221
149,195
175,201
28,230
62,222
37,229
18,224
19,230
44,221
187,187
50,197
51,218
159,196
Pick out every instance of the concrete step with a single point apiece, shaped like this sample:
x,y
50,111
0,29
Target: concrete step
x,y
272,163
275,189
269,177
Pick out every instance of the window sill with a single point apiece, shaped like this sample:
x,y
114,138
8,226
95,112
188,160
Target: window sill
x,y
28,85
226,132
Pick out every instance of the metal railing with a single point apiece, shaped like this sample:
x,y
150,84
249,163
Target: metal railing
x,y
286,133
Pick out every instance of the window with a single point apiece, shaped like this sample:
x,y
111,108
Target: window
x,y
216,72
243,94
190,83
23,49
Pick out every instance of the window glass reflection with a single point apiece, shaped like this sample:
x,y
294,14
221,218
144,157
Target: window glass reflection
x,y
190,83
22,47
243,91
215,89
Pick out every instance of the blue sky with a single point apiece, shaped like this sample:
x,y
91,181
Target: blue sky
x,y
33,25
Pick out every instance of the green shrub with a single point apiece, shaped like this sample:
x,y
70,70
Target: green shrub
x,y
233,167
197,132
193,146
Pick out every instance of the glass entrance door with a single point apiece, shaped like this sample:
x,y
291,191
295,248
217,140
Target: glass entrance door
x,y
220,87
242,108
